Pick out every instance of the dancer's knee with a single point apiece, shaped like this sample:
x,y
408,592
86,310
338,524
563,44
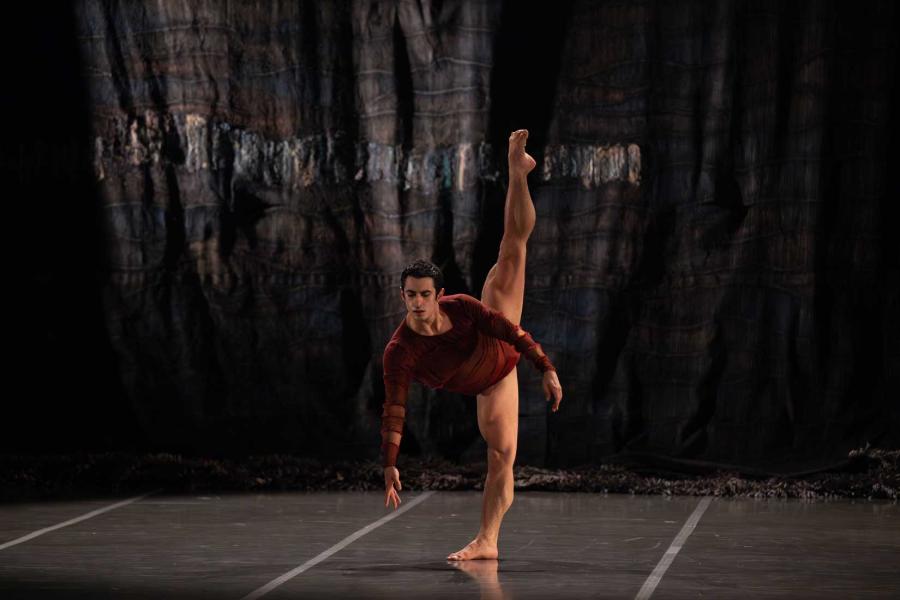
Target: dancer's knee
x,y
501,458
500,475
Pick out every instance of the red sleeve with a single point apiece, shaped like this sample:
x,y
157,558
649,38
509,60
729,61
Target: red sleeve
x,y
492,322
396,387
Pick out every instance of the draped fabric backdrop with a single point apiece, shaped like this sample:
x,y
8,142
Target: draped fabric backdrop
x,y
714,269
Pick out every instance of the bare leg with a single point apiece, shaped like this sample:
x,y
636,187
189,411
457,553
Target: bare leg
x,y
504,287
498,406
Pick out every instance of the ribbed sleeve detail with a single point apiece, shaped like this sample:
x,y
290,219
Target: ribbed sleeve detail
x,y
533,352
493,323
393,415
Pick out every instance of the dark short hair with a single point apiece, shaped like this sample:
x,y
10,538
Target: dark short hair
x,y
423,268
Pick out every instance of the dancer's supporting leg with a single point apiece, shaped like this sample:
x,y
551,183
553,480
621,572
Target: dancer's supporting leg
x,y
498,406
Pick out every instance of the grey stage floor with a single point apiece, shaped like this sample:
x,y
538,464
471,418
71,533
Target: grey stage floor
x,y
315,545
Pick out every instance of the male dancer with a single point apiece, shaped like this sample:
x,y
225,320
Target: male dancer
x,y
460,344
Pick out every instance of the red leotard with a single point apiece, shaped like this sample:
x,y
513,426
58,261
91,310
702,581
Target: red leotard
x,y
480,349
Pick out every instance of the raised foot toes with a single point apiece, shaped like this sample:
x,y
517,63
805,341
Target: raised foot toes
x,y
519,135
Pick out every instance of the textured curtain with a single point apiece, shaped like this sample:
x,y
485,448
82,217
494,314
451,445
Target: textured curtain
x,y
714,269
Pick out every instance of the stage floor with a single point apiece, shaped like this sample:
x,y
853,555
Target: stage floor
x,y
331,544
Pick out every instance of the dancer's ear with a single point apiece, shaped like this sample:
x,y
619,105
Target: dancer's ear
x,y
439,294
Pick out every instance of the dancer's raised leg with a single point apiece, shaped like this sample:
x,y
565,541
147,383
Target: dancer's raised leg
x,y
498,406
504,287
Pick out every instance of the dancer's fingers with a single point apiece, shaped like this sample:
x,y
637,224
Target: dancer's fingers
x,y
557,394
551,386
553,389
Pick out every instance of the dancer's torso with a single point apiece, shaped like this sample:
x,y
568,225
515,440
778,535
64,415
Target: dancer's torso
x,y
462,359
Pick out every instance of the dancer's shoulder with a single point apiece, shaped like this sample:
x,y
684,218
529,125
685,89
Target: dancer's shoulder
x,y
397,352
398,342
458,300
472,306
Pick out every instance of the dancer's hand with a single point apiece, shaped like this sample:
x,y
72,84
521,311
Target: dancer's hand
x,y
552,388
392,486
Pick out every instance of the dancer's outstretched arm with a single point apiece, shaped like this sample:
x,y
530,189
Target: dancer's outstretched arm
x,y
493,323
396,389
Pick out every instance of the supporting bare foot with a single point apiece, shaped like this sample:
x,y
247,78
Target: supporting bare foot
x,y
485,571
520,163
477,548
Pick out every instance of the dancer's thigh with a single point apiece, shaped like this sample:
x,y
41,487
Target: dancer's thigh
x,y
504,288
498,414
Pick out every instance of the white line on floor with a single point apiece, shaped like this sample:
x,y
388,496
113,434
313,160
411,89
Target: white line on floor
x,y
336,548
660,570
93,513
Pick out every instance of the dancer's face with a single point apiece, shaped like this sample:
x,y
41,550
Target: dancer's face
x,y
421,299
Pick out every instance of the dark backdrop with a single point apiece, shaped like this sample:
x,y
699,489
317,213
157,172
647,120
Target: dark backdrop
x,y
211,205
